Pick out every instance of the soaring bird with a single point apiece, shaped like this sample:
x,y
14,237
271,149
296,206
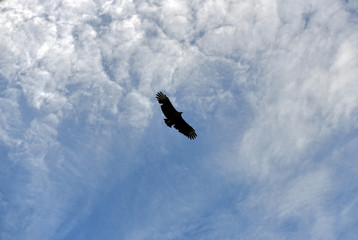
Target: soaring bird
x,y
173,117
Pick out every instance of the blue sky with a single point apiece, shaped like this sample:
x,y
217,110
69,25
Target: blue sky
x,y
269,86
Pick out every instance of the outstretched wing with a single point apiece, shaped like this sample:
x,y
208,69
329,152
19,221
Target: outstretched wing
x,y
185,128
166,105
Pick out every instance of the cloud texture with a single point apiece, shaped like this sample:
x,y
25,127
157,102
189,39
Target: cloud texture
x,y
270,87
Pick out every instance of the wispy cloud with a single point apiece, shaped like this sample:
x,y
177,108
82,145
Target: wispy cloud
x,y
271,87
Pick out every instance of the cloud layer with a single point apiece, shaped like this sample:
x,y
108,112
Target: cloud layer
x,y
270,87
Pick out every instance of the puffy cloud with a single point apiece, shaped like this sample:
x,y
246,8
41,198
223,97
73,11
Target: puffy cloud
x,y
269,84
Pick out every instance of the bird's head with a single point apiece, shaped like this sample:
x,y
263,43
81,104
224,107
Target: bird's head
x,y
180,113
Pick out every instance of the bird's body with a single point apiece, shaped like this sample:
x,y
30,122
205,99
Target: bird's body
x,y
173,117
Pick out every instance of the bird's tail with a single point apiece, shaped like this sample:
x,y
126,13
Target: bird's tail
x,y
167,121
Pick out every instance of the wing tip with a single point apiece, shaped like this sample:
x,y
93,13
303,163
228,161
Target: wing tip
x,y
192,135
161,97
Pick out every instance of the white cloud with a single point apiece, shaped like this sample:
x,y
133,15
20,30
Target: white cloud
x,y
238,30
81,76
10,123
302,97
304,194
138,110
176,18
